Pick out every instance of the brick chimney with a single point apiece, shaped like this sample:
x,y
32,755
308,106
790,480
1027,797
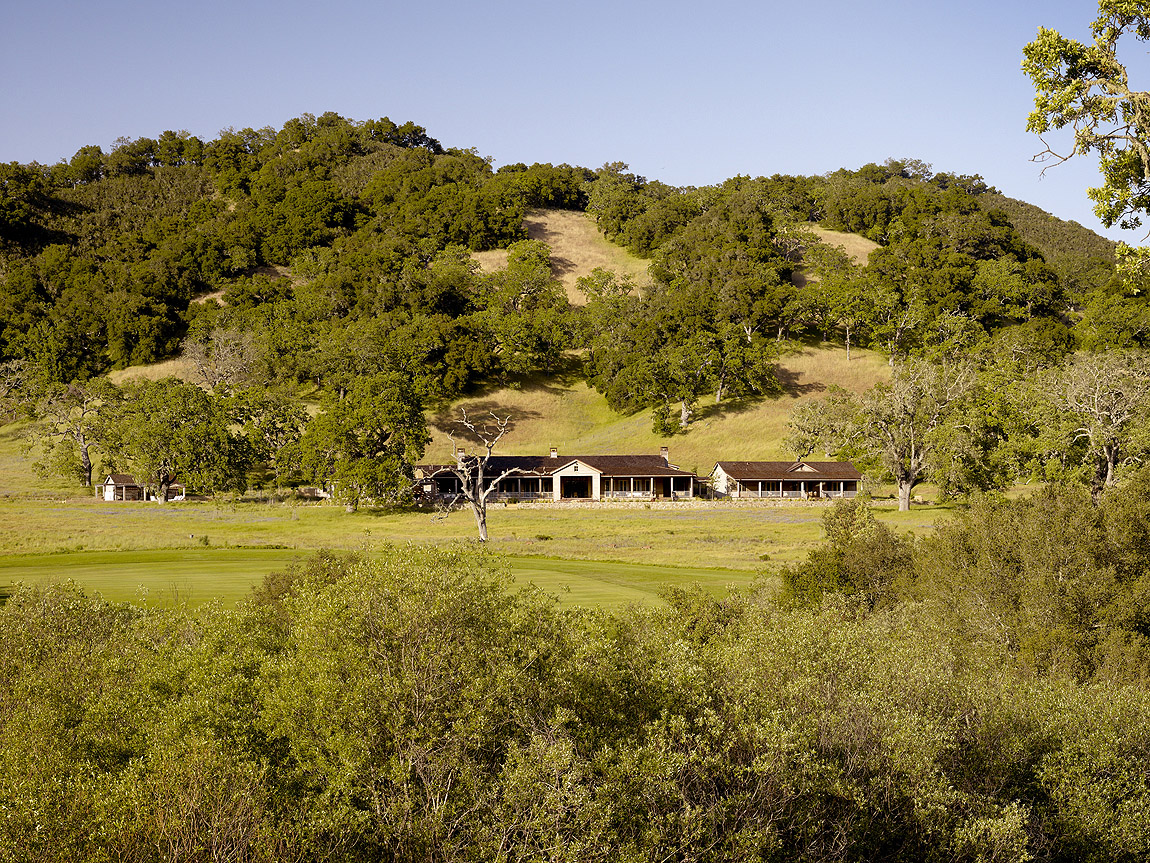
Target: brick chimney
x,y
665,453
554,452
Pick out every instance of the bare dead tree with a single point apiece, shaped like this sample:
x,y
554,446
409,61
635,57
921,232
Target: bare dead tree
x,y
475,480
1107,398
224,358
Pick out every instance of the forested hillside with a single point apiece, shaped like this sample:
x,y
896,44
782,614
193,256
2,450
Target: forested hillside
x,y
975,694
335,257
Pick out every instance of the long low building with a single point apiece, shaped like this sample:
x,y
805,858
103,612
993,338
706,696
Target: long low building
x,y
794,480
569,477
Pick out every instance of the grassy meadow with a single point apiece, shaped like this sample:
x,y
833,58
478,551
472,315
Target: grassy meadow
x,y
608,555
604,555
215,550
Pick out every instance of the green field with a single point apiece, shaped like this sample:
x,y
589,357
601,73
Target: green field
x,y
195,576
595,555
198,551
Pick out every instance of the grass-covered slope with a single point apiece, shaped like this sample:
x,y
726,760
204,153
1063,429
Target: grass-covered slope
x,y
577,248
573,417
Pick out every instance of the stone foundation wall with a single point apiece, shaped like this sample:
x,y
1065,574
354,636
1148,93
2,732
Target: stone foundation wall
x,y
744,503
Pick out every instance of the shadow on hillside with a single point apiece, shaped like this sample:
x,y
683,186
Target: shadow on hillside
x,y
567,372
485,415
537,230
789,381
14,431
728,407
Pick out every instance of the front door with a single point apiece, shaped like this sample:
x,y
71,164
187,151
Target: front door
x,y
575,486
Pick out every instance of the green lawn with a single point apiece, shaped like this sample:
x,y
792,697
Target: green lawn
x,y
596,555
198,575
607,555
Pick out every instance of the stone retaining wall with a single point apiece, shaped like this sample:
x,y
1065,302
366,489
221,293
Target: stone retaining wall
x,y
743,503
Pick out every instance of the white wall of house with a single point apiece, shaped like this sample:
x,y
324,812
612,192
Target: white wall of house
x,y
576,469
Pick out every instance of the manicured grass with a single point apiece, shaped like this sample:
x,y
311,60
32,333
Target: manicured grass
x,y
198,575
732,535
597,555
194,575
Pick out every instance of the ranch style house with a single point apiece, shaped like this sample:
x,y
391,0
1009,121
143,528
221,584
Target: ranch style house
x,y
568,477
558,477
797,480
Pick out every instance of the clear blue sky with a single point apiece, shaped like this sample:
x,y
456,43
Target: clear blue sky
x,y
687,93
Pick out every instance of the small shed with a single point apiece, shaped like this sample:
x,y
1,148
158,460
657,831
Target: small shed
x,y
123,486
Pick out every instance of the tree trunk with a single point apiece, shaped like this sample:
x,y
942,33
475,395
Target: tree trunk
x,y
904,489
480,510
848,329
684,415
162,490
86,464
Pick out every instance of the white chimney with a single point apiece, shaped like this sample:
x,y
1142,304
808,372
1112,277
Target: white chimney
x,y
554,452
665,453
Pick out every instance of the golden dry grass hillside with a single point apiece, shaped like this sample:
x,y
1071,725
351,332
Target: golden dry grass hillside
x,y
576,419
857,248
577,248
565,412
177,367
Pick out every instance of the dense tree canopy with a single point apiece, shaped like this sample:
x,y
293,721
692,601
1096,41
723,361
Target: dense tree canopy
x,y
1086,88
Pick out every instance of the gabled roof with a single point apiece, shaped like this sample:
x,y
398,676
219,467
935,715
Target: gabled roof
x,y
545,465
524,465
789,470
625,465
128,479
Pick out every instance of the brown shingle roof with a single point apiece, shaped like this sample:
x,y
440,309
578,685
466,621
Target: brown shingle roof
x,y
789,470
544,465
626,465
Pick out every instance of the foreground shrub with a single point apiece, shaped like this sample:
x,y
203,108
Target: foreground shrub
x,y
417,707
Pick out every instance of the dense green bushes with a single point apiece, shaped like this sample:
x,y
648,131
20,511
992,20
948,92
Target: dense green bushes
x,y
413,707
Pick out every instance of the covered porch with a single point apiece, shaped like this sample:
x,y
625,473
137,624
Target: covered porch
x,y
795,489
647,487
524,488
